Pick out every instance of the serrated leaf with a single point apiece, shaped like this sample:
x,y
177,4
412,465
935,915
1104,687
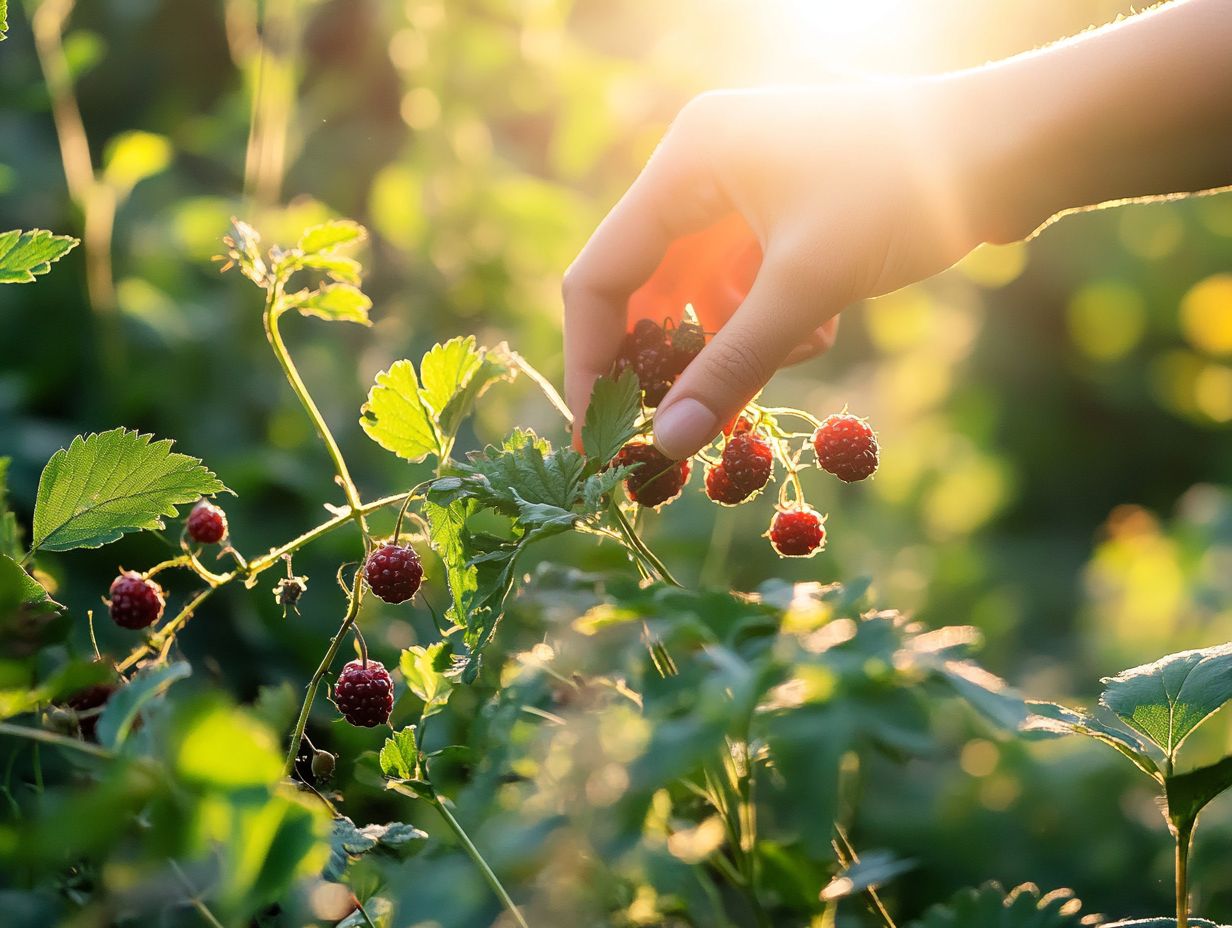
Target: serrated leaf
x,y
399,755
105,485
122,708
611,417
20,592
445,369
525,470
25,255
395,416
990,907
424,670
598,486
1048,718
333,302
331,235
874,869
449,540
1166,700
496,366
348,843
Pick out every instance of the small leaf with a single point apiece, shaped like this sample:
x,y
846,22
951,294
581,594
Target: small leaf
x,y
24,255
424,672
449,539
395,416
330,236
1188,793
338,267
399,756
1051,719
1168,699
121,710
611,418
107,484
496,366
990,907
335,303
131,157
874,869
20,592
4,19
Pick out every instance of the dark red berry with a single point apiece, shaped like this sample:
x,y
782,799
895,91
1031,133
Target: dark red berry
x,y
86,700
658,480
653,363
364,695
740,424
688,340
207,524
393,572
135,601
654,392
846,446
647,332
798,532
719,487
748,460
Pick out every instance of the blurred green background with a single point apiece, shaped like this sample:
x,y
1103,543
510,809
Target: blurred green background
x,y
1055,417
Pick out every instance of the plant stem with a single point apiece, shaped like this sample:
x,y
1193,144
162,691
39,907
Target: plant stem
x,y
632,539
47,737
1184,839
473,853
271,316
544,385
202,909
357,595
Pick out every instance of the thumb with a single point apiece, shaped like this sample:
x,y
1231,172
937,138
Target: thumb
x,y
781,311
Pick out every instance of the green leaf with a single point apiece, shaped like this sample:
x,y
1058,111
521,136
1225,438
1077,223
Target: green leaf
x,y
333,302
25,255
122,708
449,539
399,756
1168,699
446,369
107,484
4,19
338,267
611,418
1188,793
1051,719
872,870
395,416
525,470
496,366
10,531
70,678
19,592
990,907
330,236
131,157
424,671
348,843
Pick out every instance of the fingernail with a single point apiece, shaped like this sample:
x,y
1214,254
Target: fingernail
x,y
684,427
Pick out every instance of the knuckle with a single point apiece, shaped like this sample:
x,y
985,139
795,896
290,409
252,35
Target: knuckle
x,y
738,366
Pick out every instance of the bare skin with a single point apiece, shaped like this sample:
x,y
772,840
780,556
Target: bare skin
x,y
853,191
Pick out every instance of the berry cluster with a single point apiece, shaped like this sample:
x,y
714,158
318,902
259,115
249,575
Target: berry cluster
x,y
744,468
658,354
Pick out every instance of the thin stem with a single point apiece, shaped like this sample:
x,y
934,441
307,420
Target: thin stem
x,y
272,332
47,737
473,853
98,656
544,385
357,595
875,905
632,539
1184,839
202,909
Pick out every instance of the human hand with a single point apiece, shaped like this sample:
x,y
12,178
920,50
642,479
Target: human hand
x,y
770,211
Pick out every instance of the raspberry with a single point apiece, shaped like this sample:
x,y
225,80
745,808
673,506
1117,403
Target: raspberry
x,y
646,332
135,601
748,461
658,480
719,487
92,697
207,524
738,426
364,695
688,340
393,573
798,532
654,393
653,363
846,446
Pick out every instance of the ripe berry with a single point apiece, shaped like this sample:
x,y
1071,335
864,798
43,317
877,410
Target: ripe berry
x,y
688,340
646,332
720,488
658,479
207,524
364,695
748,460
135,601
798,532
393,572
846,446
654,392
92,697
739,425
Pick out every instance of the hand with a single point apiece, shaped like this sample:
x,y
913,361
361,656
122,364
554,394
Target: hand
x,y
796,203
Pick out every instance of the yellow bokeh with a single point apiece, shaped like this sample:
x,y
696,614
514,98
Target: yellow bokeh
x,y
1151,231
995,266
1106,319
965,496
1206,315
900,320
1213,392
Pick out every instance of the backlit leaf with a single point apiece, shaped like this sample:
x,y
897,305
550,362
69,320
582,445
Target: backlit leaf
x,y
334,302
399,756
395,416
611,418
25,255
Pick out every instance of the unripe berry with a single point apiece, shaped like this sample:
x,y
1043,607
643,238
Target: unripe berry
x,y
323,764
364,694
135,601
393,572
206,524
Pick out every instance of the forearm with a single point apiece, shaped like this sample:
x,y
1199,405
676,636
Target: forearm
x,y
1139,109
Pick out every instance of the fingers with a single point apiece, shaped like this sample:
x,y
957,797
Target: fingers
x,y
675,194
816,344
781,312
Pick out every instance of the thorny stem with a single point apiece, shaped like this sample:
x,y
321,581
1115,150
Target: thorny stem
x,y
357,595
477,857
48,737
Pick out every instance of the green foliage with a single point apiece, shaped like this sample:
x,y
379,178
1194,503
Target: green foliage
x,y
69,678
19,591
4,19
1050,719
105,485
425,671
611,417
347,843
26,255
399,755
990,907
123,707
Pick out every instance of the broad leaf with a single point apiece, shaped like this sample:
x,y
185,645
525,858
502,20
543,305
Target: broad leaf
x,y
70,678
25,255
107,484
1048,718
331,235
21,592
399,756
122,708
348,843
449,540
1188,793
424,670
611,417
525,470
395,416
1168,699
334,302
873,869
445,369
496,365
990,907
